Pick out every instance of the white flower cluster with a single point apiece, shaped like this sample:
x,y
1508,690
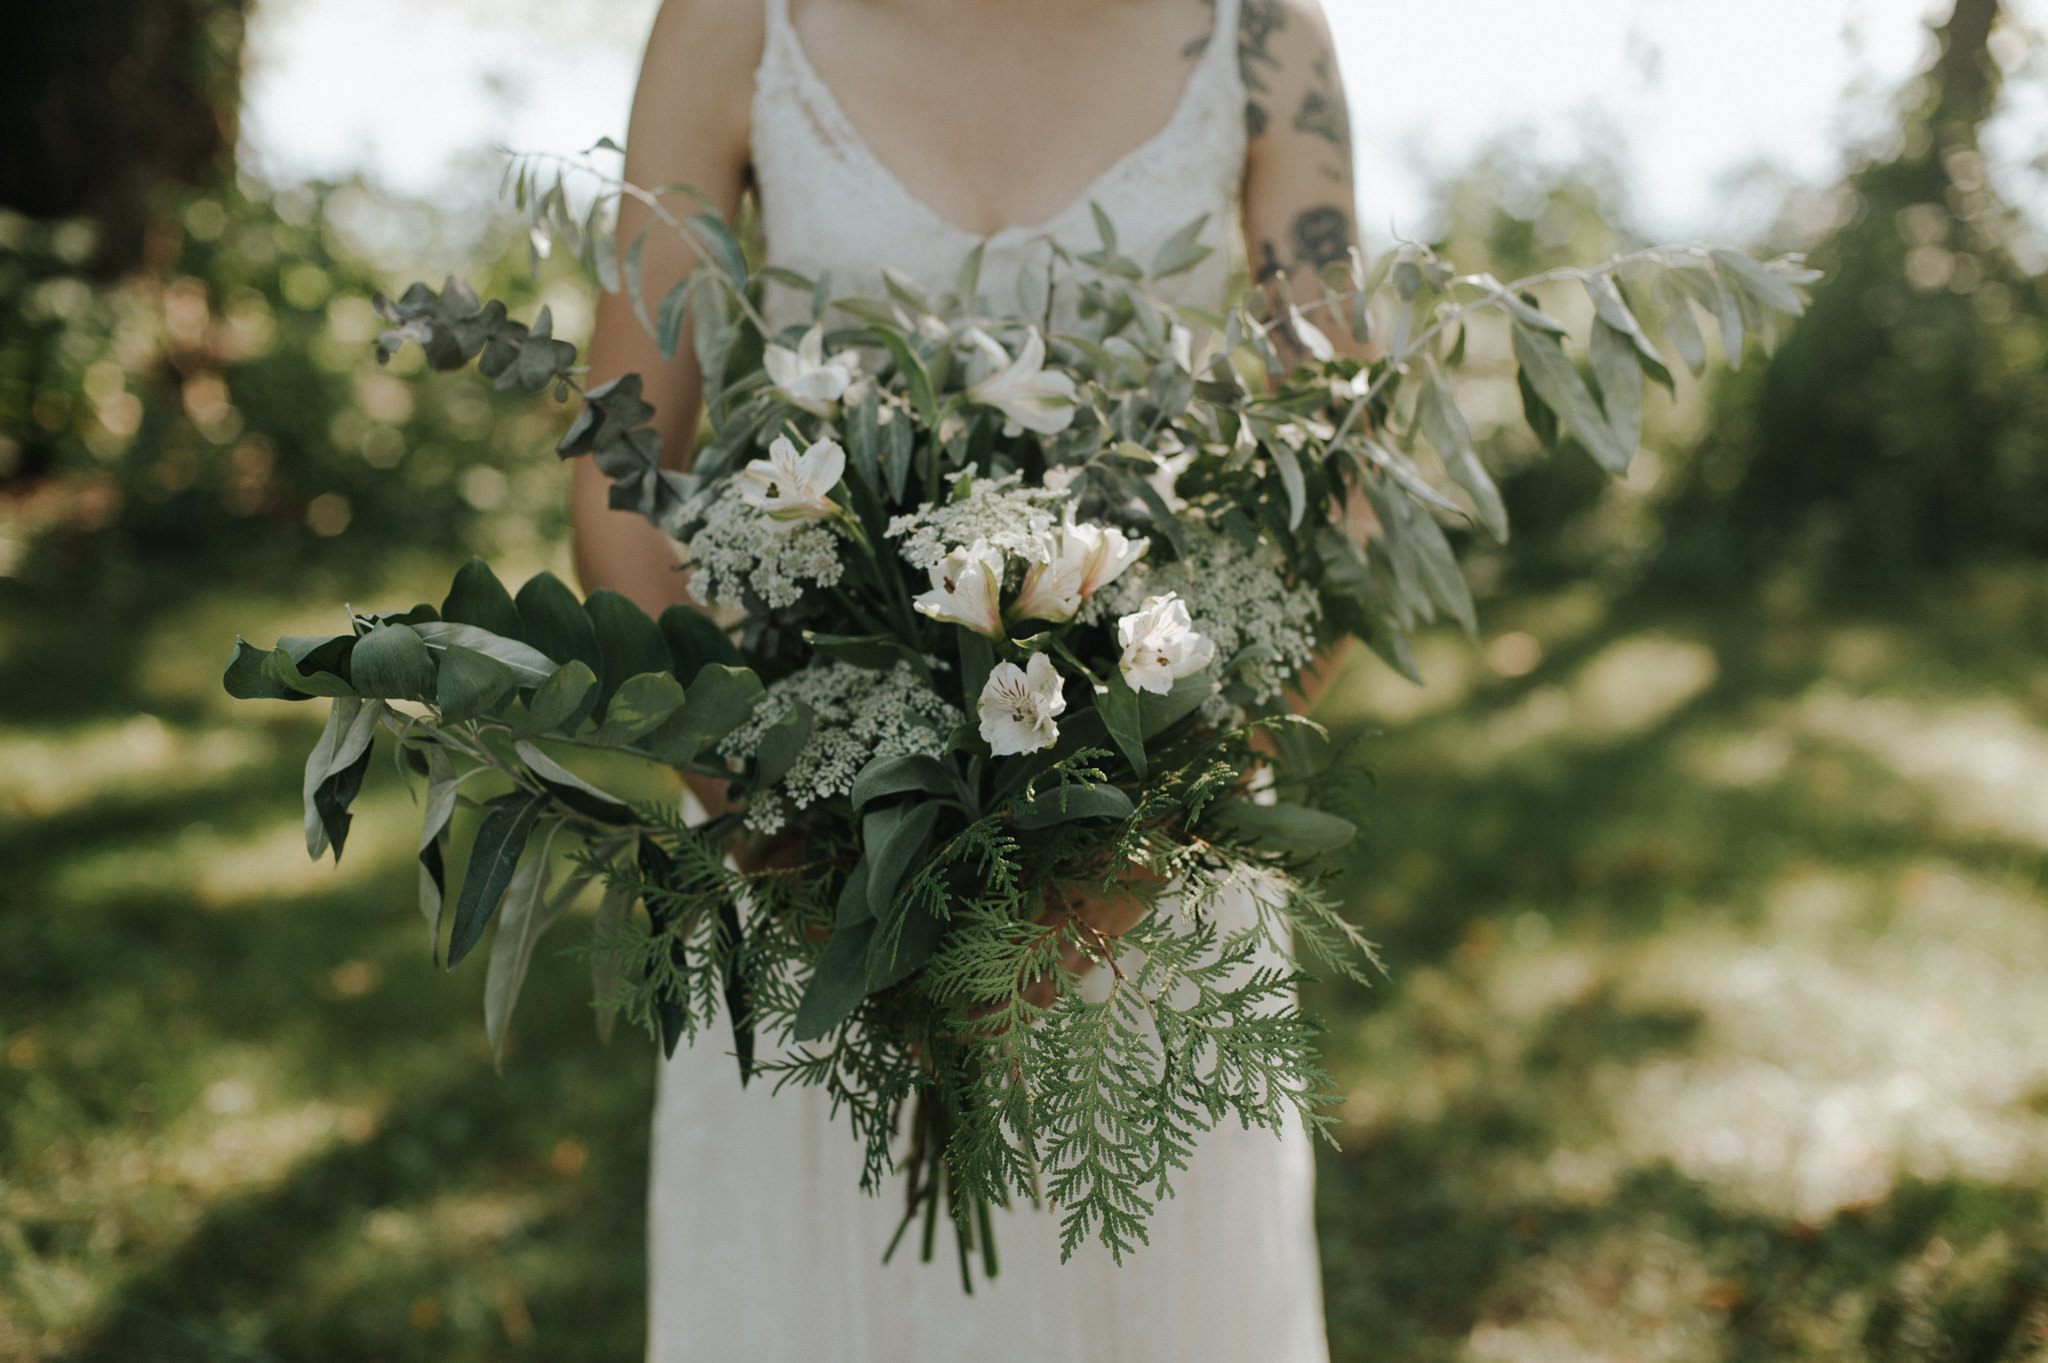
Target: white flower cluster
x,y
862,714
1237,598
995,511
740,549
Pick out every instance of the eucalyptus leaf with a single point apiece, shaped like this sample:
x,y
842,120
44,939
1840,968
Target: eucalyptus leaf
x,y
553,621
246,678
530,910
530,667
1762,285
562,702
695,640
1681,326
1619,372
886,776
1443,425
442,787
476,597
392,662
639,707
711,232
281,670
571,789
717,701
1182,251
1551,373
470,684
1157,713
915,377
892,840
628,643
493,857
334,771
838,984
1118,706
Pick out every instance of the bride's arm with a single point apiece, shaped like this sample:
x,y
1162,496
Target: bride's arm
x,y
1298,193
689,126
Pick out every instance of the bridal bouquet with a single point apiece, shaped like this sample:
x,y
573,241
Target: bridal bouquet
x,y
1009,608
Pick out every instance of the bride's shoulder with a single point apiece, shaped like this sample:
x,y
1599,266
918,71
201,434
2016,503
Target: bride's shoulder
x,y
710,36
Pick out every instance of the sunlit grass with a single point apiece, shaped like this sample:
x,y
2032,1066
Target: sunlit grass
x,y
1716,1024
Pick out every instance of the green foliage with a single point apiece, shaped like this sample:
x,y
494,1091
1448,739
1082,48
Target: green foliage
x,y
223,411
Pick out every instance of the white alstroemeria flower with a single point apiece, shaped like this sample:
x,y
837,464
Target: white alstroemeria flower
x,y
1079,561
1018,707
793,487
1024,390
967,589
807,378
1167,472
1160,645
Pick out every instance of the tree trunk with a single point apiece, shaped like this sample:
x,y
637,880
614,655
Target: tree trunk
x,y
104,103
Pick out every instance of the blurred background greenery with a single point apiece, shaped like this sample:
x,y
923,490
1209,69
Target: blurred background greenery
x,y
1710,879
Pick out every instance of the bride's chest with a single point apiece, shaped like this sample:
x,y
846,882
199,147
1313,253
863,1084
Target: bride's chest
x,y
997,117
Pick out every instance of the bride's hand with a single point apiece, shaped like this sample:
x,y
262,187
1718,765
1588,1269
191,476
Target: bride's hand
x,y
1104,917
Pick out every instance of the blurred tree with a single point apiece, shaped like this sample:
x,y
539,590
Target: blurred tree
x,y
104,104
1902,429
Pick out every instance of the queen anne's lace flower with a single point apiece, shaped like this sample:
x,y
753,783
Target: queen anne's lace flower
x,y
861,714
997,511
1018,707
739,552
1235,596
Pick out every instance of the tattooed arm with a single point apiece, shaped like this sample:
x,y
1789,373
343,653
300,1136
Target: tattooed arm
x,y
1298,196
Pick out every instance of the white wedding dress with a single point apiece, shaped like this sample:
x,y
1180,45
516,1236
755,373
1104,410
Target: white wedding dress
x,y
762,1249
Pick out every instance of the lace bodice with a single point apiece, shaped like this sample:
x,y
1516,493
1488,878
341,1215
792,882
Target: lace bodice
x,y
828,204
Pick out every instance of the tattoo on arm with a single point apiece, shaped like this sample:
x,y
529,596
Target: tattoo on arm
x,y
1320,235
1322,112
1257,22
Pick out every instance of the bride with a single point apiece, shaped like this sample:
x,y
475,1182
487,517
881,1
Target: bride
x,y
903,133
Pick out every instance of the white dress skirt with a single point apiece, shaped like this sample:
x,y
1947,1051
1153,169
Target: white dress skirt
x,y
762,1248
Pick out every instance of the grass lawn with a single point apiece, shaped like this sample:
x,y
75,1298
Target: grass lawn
x,y
1716,1024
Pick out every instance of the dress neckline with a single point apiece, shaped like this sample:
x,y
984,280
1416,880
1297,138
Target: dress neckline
x,y
842,128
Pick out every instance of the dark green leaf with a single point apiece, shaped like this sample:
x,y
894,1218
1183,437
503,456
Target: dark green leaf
x,y
853,906
902,945
334,771
1156,713
471,684
892,840
280,669
246,679
530,667
694,640
493,857
782,744
553,621
977,660
571,789
562,702
1280,828
392,662
1059,805
477,598
886,776
1118,706
639,707
719,700
838,984
628,643
668,319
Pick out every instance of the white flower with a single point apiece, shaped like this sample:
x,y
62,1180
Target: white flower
x,y
1024,390
1160,645
966,589
807,378
1078,561
792,487
1018,707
